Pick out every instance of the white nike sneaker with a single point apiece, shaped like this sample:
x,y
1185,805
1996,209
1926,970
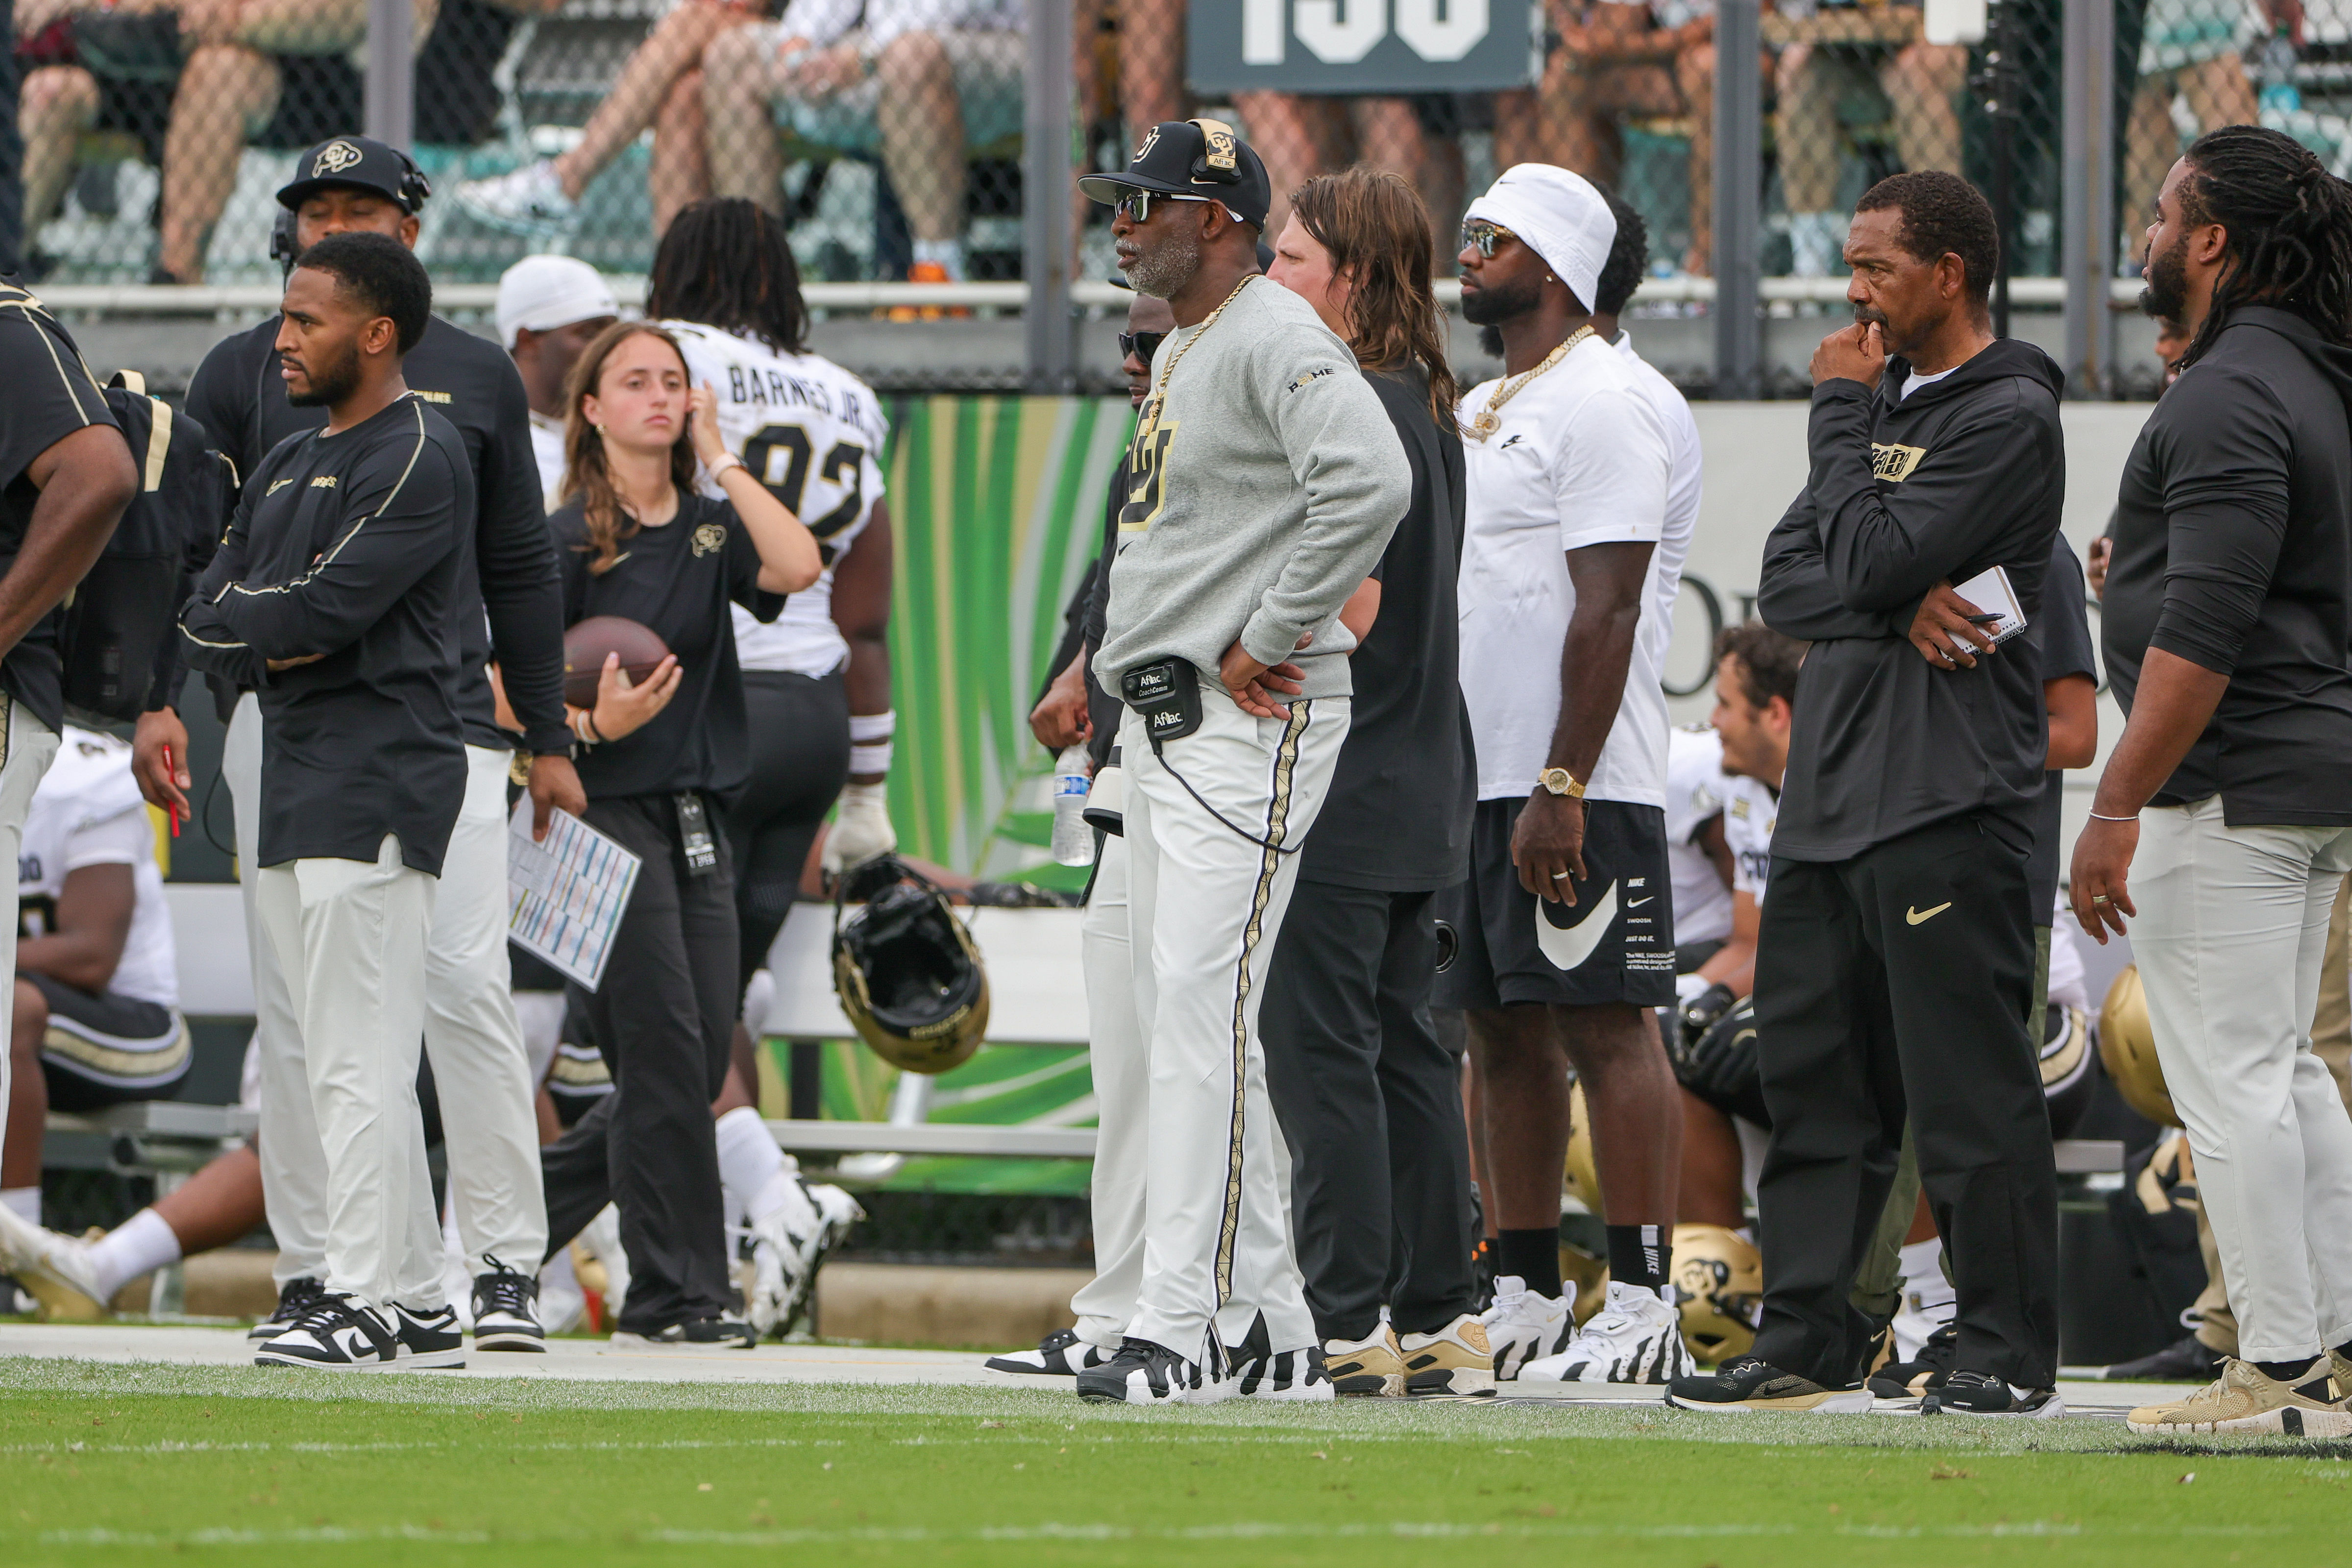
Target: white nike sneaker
x,y
1525,1325
528,200
789,1244
54,1270
1636,1337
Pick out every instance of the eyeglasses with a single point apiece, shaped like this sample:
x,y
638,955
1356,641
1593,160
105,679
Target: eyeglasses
x,y
1140,345
1485,236
1136,206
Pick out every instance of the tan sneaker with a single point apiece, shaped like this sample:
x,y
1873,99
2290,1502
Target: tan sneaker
x,y
2341,1365
1366,1368
1456,1359
2243,1399
53,1268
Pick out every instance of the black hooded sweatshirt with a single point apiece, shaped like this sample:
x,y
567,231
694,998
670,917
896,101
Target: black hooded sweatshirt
x,y
2233,550
1966,473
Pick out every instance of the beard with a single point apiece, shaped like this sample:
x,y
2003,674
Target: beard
x,y
2166,293
1494,303
331,386
1162,271
1490,340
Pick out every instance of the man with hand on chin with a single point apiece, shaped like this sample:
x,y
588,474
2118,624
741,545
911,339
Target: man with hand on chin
x,y
1263,484
1894,958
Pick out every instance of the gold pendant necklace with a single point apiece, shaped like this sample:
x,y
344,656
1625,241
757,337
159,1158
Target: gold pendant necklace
x,y
1150,420
1489,419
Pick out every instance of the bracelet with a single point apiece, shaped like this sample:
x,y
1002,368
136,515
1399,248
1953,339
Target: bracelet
x,y
726,460
2096,817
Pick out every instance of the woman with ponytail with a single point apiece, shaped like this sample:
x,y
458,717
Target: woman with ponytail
x,y
660,760
2222,826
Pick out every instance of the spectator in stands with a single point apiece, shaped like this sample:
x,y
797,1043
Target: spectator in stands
x,y
1301,137
551,308
2188,52
1150,62
1836,45
61,99
918,81
97,992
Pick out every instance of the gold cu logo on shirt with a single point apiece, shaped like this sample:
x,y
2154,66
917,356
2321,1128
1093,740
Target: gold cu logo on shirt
x,y
333,159
1894,463
710,537
1147,472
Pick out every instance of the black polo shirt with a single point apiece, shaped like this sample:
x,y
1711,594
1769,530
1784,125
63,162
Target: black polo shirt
x,y
678,578
348,545
2062,639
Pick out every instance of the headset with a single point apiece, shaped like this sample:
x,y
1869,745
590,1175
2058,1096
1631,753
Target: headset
x,y
414,190
1219,163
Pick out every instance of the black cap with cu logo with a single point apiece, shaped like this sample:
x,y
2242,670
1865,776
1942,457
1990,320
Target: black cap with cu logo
x,y
1193,158
361,163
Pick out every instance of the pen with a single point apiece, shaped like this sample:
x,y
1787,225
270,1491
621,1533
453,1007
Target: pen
x,y
174,809
1985,620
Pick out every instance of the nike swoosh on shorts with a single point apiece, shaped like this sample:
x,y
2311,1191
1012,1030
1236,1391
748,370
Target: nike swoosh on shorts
x,y
1920,917
1567,949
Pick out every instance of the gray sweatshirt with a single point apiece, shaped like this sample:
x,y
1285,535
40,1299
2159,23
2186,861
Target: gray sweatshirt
x,y
1257,500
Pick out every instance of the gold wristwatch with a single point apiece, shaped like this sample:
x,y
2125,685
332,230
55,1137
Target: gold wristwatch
x,y
1560,781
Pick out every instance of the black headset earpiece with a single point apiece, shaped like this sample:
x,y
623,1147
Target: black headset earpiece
x,y
1220,162
414,188
282,246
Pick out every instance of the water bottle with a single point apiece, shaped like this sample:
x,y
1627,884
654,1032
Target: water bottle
x,y
1074,841
2275,71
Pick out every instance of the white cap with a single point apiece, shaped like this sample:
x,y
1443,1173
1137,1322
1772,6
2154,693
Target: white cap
x,y
543,292
1561,216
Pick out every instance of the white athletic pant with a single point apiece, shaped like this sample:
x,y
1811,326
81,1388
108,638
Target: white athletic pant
x,y
481,1067
349,938
27,746
1122,1081
2232,923
1204,907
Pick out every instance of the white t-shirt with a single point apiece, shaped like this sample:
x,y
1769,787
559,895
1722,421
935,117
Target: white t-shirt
x,y
1685,484
2069,985
1750,811
813,433
1580,458
1696,787
547,446
87,812
1914,381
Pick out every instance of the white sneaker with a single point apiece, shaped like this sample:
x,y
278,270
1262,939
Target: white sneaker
x,y
338,1334
600,1239
527,200
54,1270
1525,1325
561,1302
1637,1337
789,1244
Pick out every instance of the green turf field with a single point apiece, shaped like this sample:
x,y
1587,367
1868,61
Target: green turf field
x,y
113,1465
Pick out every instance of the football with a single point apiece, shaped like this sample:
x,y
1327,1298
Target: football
x,y
586,644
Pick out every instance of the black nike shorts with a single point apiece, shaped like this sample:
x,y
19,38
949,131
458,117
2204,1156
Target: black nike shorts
x,y
1615,943
108,1049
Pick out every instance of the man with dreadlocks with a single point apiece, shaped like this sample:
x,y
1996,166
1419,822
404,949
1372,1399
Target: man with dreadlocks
x,y
2228,643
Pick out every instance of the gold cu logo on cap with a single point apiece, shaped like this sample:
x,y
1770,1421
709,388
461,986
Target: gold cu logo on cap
x,y
1220,137
334,158
1151,140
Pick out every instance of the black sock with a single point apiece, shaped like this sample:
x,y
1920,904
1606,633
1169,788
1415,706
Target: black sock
x,y
1533,1256
2287,1370
2345,1350
1639,1255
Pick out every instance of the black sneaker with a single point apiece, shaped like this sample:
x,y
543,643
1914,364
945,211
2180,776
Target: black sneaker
x,y
296,1296
335,1333
702,1333
2186,1360
1261,1371
1144,1373
1059,1354
505,1311
1749,1382
429,1339
1914,1378
1982,1394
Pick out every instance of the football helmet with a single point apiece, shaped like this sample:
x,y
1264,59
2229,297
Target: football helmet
x,y
2128,1050
907,973
1719,1285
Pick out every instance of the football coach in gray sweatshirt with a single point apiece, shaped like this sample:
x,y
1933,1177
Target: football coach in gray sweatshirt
x,y
1263,482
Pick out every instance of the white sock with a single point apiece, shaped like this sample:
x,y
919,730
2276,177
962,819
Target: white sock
x,y
948,253
137,1245
751,1169
1924,1282
25,1202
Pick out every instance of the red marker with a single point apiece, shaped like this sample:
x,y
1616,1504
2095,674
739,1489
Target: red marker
x,y
174,809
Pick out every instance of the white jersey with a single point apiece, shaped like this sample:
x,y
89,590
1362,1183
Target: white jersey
x,y
1684,482
1696,788
1581,457
1749,813
813,433
87,812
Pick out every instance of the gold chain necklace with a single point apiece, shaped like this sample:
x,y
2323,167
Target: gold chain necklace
x,y
1490,419
1150,420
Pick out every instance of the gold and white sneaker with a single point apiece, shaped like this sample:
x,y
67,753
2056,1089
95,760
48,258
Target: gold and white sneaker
x,y
1526,1325
1456,1360
1365,1368
2245,1399
54,1270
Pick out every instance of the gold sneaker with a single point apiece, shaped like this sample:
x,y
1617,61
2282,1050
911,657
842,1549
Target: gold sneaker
x,y
1365,1368
2244,1399
1456,1359
54,1270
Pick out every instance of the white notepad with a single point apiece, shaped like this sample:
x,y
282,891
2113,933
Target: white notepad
x,y
1990,593
566,895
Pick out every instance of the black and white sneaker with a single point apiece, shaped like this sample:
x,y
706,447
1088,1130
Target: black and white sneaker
x,y
1059,1354
429,1339
1982,1394
701,1334
296,1296
1924,1372
1144,1373
1261,1371
335,1333
506,1311
2187,1360
1748,1383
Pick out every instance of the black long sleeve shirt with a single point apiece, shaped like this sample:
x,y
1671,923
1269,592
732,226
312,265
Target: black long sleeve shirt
x,y
2233,550
350,546
1966,473
511,600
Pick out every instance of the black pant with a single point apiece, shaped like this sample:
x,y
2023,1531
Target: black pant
x,y
14,240
663,1017
1890,983
1370,1104
800,759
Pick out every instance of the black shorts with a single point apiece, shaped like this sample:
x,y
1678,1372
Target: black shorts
x,y
1506,962
110,1049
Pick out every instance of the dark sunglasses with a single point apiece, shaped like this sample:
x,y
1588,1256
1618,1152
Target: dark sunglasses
x,y
1136,205
1140,345
1484,237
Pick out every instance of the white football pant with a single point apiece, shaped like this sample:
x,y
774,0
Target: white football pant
x,y
27,747
1122,1081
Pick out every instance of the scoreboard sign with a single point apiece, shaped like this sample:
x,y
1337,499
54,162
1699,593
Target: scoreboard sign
x,y
1362,45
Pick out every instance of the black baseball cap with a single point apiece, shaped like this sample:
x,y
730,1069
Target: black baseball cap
x,y
361,163
1193,158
